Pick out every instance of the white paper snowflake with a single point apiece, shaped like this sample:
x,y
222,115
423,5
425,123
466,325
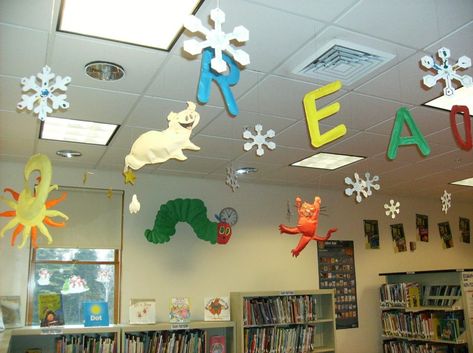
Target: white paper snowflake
x,y
259,140
392,208
361,187
446,201
232,179
446,71
43,93
217,39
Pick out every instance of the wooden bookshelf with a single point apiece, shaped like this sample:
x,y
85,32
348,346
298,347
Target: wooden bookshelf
x,y
441,307
45,338
305,318
203,330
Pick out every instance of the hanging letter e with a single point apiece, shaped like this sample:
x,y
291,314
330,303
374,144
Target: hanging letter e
x,y
456,109
313,116
403,116
207,75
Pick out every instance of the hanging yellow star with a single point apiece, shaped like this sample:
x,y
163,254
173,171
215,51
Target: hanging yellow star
x,y
84,179
129,176
109,193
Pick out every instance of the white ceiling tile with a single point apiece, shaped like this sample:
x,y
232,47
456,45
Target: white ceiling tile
x,y
225,126
27,13
195,164
13,124
97,105
211,147
22,51
411,153
323,10
152,112
72,52
125,137
10,88
17,146
399,22
280,156
363,144
113,158
427,120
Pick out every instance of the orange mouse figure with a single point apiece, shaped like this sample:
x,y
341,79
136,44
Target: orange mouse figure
x,y
306,224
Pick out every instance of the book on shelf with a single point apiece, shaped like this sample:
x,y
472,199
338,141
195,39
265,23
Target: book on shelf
x,y
179,310
50,310
449,329
217,344
142,311
216,309
95,314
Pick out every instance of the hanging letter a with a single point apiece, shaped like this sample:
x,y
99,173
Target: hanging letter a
x,y
403,116
467,145
313,116
207,75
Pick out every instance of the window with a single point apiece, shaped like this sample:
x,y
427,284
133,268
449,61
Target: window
x,y
80,275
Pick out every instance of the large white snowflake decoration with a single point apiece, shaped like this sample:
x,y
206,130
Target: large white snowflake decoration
x,y
446,71
232,179
392,209
446,201
259,140
217,39
44,92
361,187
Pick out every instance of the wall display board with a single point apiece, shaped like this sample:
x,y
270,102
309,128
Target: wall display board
x,y
337,271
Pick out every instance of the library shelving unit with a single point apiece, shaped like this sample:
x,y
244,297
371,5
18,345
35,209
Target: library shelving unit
x,y
427,311
56,338
284,321
179,337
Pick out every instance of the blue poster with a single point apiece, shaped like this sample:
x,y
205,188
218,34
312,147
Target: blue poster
x,y
95,314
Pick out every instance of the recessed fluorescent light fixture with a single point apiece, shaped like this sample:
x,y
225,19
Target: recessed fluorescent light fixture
x,y
149,23
69,130
245,170
462,96
464,182
328,161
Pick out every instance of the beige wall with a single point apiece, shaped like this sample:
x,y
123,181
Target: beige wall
x,y
257,257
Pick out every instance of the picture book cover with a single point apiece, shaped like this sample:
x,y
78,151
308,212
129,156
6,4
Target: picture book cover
x,y
142,311
179,310
464,225
10,312
371,234
399,238
50,310
422,227
449,329
217,344
446,235
216,309
95,314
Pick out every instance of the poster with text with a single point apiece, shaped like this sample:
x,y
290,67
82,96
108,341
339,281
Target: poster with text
x,y
422,227
467,284
337,271
464,225
399,238
446,235
371,234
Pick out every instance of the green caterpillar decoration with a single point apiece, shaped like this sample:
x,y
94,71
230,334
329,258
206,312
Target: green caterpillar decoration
x,y
192,211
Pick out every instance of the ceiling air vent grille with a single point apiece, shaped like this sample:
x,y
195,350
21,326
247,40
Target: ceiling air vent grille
x,y
344,61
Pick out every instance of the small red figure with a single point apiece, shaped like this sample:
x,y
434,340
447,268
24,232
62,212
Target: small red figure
x,y
306,225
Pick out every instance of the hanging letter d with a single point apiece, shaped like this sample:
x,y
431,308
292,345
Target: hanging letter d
x,y
467,145
313,116
403,116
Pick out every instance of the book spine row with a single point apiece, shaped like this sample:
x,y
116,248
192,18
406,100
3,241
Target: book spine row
x,y
416,347
188,341
444,296
299,339
86,344
409,325
279,310
404,294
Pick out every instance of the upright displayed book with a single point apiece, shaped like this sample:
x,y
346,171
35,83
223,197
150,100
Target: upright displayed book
x,y
217,344
95,314
142,311
216,309
50,310
179,310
